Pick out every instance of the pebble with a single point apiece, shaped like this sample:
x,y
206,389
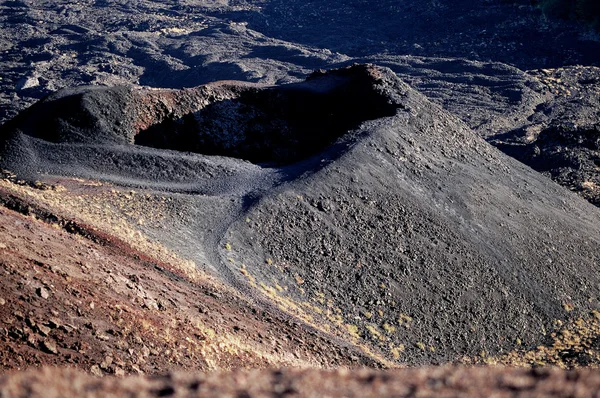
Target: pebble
x,y
119,372
42,292
95,370
54,323
49,346
27,83
44,330
108,360
2,302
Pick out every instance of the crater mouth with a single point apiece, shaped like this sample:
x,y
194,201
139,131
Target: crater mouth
x,y
272,125
268,125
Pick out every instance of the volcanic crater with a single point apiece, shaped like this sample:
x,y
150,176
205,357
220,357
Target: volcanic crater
x,y
288,195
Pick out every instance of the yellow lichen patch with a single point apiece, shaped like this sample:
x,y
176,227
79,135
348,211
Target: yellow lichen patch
x,y
313,308
389,328
420,346
576,339
396,350
320,298
368,314
245,272
228,246
353,330
375,332
268,289
404,320
337,319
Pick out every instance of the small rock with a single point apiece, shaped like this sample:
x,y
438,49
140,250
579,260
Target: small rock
x,y
95,370
106,362
81,347
27,83
53,323
92,305
67,328
42,292
151,304
49,346
30,322
102,336
2,302
121,344
32,340
44,330
119,372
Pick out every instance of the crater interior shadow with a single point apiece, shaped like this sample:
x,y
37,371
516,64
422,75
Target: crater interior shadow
x,y
275,125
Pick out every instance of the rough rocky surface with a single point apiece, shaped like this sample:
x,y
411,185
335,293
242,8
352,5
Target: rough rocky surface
x,y
389,235
71,295
561,138
425,382
301,212
187,43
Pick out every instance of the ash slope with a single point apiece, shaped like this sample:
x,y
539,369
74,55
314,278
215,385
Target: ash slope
x,y
407,234
49,45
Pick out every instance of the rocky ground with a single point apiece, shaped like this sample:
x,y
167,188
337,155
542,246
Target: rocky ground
x,y
356,217
424,382
74,296
48,45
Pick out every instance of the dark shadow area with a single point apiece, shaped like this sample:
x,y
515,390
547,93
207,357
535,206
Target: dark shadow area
x,y
157,74
554,148
512,32
277,126
567,155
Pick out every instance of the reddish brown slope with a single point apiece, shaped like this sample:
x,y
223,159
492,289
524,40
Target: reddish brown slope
x,y
88,300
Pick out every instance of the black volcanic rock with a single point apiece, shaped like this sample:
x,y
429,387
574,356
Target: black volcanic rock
x,y
474,62
404,232
186,43
559,136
